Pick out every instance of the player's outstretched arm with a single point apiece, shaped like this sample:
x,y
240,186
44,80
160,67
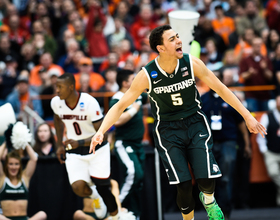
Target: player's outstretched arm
x,y
139,84
207,76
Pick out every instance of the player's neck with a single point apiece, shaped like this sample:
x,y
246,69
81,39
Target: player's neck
x,y
73,99
167,64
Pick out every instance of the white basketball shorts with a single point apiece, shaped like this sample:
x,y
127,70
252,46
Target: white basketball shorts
x,y
82,167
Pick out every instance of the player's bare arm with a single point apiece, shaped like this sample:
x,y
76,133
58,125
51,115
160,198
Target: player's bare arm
x,y
59,128
140,83
207,76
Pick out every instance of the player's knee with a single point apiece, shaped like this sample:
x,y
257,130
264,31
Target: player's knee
x,y
185,199
81,188
206,185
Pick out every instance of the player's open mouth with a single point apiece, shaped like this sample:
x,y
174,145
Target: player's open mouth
x,y
179,50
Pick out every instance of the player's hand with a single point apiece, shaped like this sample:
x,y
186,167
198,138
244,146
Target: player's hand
x,y
60,153
96,139
71,144
255,127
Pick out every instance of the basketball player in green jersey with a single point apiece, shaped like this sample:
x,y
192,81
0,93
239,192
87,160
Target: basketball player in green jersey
x,y
182,134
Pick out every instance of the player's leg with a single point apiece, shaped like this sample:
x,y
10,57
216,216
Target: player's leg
x,y
203,163
206,196
82,189
41,215
185,199
104,189
99,170
77,168
172,152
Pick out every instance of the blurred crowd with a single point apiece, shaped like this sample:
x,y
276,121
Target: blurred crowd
x,y
40,40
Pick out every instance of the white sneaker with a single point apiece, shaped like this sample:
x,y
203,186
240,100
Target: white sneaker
x,y
99,207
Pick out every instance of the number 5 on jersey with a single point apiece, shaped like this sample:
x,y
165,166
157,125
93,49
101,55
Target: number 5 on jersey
x,y
176,99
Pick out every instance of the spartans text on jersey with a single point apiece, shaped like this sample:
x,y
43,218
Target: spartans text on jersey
x,y
174,87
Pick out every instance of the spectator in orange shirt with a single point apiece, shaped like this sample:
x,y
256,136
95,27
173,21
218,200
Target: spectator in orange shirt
x,y
244,47
86,66
222,24
46,61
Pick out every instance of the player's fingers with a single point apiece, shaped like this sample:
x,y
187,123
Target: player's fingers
x,y
92,147
263,129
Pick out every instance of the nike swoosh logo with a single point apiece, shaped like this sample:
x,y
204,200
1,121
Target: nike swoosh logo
x,y
155,82
202,135
184,208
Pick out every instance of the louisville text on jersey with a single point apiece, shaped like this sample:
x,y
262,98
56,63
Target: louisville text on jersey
x,y
77,117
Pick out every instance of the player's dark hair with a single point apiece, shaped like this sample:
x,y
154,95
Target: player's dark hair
x,y
156,36
122,76
69,77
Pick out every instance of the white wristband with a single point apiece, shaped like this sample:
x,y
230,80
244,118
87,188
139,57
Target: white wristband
x,y
132,111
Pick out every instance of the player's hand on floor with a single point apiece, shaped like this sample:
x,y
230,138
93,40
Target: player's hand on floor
x,y
96,139
60,153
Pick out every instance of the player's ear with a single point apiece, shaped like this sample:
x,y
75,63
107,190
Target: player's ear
x,y
160,48
72,87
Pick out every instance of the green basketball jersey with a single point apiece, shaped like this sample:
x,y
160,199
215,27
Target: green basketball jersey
x,y
133,130
172,96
